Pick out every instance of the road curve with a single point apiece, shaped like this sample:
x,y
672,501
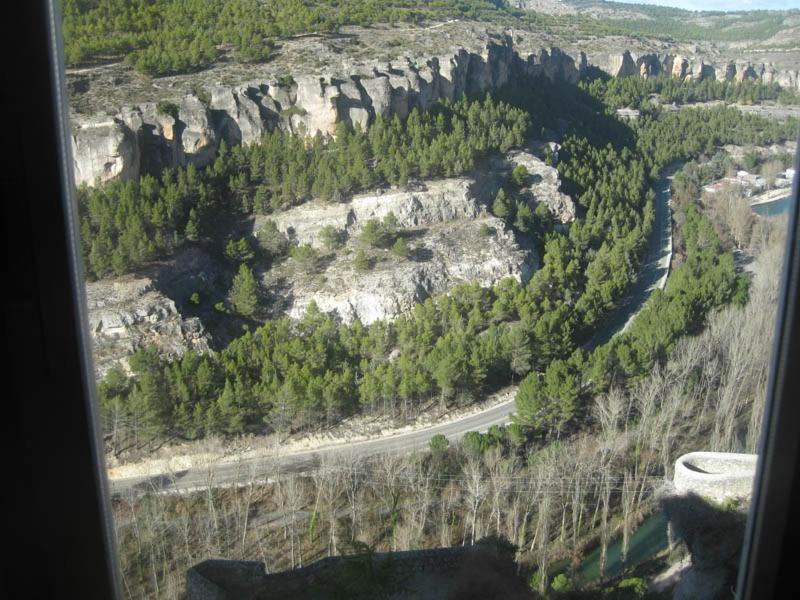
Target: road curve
x,y
652,274
653,270
263,467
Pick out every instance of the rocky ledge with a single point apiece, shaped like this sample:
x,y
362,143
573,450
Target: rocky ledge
x,y
544,184
649,64
149,136
311,98
442,256
451,236
129,313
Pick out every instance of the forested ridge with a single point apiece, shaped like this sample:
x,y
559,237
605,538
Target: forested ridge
x,y
549,505
287,375
127,224
166,37
620,92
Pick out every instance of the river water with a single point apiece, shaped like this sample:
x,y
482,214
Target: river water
x,y
773,209
647,541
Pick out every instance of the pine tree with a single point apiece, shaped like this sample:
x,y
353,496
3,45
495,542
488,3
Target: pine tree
x,y
244,292
192,230
362,262
331,237
400,248
502,208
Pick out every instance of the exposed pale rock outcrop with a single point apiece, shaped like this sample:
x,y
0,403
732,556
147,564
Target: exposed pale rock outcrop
x,y
104,149
317,105
622,65
198,137
139,138
544,186
307,103
440,201
443,225
444,255
129,313
236,117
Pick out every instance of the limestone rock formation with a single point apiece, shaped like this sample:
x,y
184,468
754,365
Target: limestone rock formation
x,y
443,256
544,186
236,117
439,201
139,138
104,149
198,137
622,65
446,225
304,103
317,104
128,313
157,133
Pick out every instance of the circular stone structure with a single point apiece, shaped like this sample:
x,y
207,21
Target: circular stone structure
x,y
716,475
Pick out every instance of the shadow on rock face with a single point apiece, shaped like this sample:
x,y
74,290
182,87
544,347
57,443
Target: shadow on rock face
x,y
713,533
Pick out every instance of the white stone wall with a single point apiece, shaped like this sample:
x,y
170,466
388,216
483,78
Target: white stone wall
x,y
716,475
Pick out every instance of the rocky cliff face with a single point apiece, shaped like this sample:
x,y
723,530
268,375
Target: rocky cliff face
x,y
142,138
627,64
104,149
437,202
129,313
543,186
443,225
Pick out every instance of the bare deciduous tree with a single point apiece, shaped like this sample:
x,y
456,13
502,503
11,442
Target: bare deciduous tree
x,y
475,486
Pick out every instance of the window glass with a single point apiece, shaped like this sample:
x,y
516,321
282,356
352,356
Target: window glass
x,y
476,293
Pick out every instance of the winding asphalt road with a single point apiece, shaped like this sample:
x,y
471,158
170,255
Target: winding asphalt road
x,y
652,274
654,268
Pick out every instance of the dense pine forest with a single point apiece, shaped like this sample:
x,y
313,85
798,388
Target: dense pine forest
x,y
636,92
166,37
126,224
163,37
285,375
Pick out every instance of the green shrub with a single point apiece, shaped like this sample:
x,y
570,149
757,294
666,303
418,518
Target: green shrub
x,y
331,237
166,108
438,444
519,175
362,262
400,248
561,584
306,256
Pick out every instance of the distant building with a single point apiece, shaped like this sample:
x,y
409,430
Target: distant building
x,y
628,113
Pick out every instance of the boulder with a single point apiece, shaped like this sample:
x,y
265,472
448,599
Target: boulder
x,y
104,149
236,116
316,106
198,139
